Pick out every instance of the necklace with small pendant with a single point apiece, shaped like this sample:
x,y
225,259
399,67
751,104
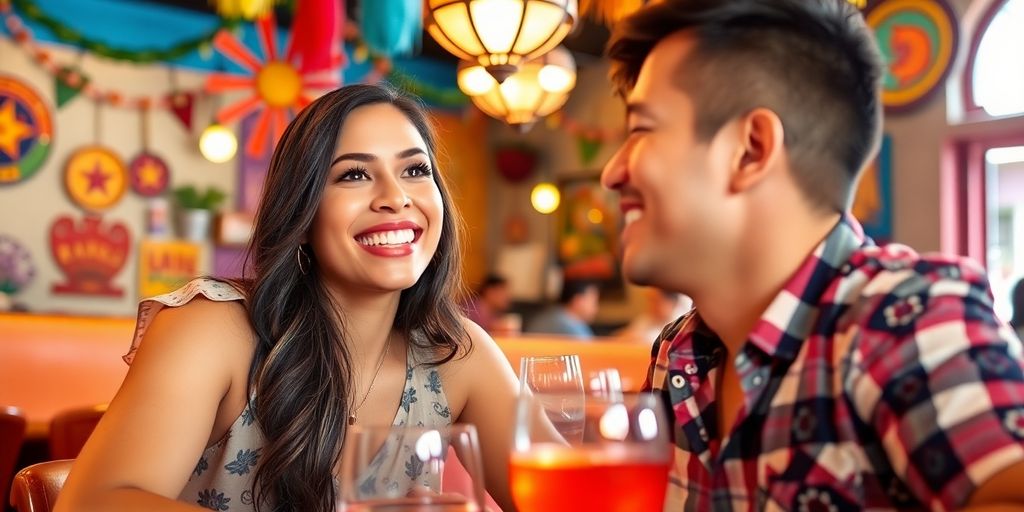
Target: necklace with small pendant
x,y
380,364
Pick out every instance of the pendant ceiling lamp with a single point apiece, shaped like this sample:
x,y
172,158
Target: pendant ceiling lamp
x,y
540,87
499,34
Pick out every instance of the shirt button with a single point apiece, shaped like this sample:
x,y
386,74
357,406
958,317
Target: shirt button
x,y
757,380
690,369
678,381
703,434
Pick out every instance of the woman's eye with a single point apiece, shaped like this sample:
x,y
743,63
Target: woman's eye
x,y
418,171
354,175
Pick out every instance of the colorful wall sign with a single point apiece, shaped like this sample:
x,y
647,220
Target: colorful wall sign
x,y
95,178
89,254
26,131
918,41
165,266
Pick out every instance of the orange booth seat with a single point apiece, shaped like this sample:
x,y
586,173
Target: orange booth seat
x,y
49,364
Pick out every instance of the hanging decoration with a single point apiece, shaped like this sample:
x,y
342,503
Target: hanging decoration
x,y
392,27
94,178
180,104
245,9
89,254
68,83
44,59
148,174
70,36
16,267
318,35
918,41
500,35
26,131
279,88
515,163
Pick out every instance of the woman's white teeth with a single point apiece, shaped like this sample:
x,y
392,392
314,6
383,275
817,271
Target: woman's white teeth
x,y
401,236
633,216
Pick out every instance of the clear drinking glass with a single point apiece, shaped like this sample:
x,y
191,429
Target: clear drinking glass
x,y
558,383
605,382
399,469
620,462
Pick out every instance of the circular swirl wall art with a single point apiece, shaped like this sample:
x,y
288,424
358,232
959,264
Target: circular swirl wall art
x,y
918,41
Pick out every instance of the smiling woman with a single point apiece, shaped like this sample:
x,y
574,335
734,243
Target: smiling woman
x,y
242,388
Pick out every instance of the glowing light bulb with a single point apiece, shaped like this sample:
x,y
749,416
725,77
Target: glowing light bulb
x,y
218,144
545,198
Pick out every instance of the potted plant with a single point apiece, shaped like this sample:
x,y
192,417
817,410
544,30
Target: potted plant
x,y
196,210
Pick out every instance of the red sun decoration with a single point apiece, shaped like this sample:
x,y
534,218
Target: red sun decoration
x,y
280,87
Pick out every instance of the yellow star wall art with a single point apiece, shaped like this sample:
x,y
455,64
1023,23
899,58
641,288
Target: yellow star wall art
x,y
95,178
26,131
148,175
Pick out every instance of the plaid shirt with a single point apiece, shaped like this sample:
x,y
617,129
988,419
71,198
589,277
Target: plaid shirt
x,y
876,379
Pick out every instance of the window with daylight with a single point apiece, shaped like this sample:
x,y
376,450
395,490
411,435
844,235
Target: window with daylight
x,y
996,68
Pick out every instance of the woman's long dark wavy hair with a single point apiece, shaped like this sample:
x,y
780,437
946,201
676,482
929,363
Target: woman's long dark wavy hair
x,y
301,370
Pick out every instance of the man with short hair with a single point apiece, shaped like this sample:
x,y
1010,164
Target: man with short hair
x,y
817,371
577,306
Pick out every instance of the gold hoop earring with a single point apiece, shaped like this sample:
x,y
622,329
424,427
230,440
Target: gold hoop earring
x,y
299,253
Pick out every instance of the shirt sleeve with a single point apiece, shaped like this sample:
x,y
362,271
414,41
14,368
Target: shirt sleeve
x,y
939,378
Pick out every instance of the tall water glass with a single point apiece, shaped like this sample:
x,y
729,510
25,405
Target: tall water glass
x,y
558,383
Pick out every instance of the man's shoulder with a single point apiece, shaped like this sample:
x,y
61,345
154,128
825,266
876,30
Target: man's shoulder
x,y
898,270
894,296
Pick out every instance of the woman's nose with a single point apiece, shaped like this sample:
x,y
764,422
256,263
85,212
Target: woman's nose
x,y
390,196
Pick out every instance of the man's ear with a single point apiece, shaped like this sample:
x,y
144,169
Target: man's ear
x,y
760,148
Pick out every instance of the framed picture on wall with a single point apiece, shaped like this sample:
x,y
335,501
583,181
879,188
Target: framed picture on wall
x,y
872,204
588,227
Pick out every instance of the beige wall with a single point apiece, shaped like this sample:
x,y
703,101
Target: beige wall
x,y
28,208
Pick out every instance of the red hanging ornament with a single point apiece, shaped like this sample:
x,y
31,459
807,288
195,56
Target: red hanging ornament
x,y
515,163
181,105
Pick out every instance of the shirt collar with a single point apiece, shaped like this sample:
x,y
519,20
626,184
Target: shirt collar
x,y
789,319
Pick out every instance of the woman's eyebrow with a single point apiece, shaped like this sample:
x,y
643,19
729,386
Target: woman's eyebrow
x,y
368,157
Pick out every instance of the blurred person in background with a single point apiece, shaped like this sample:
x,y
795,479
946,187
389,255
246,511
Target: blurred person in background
x,y
571,316
490,305
661,307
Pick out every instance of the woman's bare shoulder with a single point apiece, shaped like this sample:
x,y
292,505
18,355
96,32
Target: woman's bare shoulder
x,y
217,329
